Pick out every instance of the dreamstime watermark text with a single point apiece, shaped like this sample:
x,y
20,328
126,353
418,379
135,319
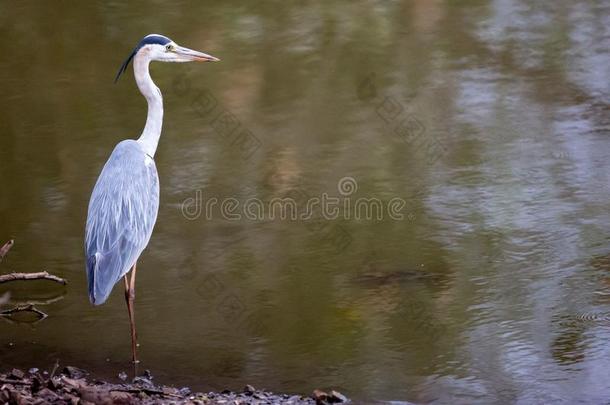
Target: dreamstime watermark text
x,y
346,206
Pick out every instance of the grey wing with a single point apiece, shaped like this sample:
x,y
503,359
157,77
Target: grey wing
x,y
121,216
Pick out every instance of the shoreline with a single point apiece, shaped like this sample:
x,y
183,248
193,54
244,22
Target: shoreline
x,y
73,385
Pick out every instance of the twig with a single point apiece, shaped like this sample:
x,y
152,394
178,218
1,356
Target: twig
x,y
55,367
24,308
43,275
5,248
15,382
147,391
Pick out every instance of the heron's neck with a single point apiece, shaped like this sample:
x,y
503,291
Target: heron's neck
x,y
154,120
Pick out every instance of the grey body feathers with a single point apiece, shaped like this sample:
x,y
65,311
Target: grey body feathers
x,y
122,213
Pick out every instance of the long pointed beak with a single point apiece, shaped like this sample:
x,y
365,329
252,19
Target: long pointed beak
x,y
196,56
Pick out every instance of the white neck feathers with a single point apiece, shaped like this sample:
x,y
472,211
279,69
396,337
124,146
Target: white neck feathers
x,y
154,120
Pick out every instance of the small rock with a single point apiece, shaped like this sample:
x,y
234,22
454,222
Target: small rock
x,y
73,383
37,383
320,396
118,397
123,376
33,370
74,400
47,394
54,383
94,395
15,397
142,381
248,389
74,372
336,397
169,391
17,374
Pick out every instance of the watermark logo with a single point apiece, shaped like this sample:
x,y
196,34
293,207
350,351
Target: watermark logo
x,y
226,125
347,186
399,121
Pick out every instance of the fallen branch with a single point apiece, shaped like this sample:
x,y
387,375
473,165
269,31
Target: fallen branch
x,y
43,275
147,391
5,248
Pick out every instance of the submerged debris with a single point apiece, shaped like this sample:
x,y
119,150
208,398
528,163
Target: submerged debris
x,y
72,387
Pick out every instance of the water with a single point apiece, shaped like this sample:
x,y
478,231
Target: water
x,y
490,120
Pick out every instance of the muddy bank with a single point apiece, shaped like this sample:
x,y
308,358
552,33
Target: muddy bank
x,y
72,385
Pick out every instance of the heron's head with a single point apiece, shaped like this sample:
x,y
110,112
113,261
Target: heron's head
x,y
161,48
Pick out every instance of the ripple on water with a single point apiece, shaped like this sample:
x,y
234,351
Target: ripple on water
x,y
594,318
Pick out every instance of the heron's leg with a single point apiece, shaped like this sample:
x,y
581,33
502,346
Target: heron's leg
x,y
132,286
130,295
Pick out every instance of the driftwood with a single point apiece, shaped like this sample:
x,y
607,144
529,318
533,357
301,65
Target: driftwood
x,y
43,275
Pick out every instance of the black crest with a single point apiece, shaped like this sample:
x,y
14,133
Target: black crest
x,y
147,40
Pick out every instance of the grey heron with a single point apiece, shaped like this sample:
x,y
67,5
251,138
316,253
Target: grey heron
x,y
125,200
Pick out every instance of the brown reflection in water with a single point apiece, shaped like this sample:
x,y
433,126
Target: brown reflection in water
x,y
569,344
